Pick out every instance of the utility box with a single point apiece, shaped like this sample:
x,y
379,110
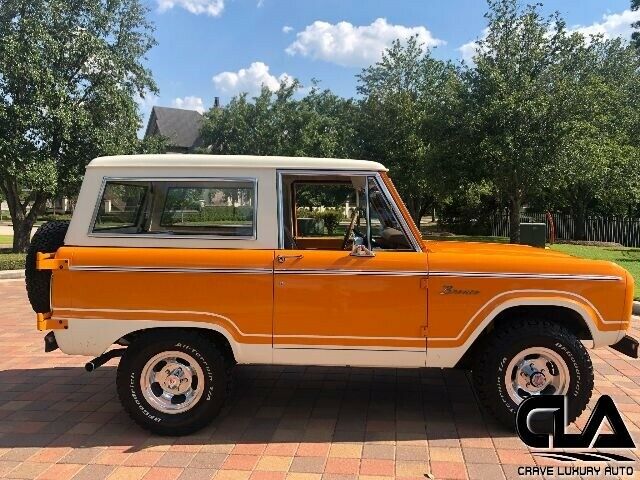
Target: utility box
x,y
534,234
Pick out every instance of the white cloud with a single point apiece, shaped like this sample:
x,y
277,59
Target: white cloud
x,y
249,80
469,49
612,25
287,29
210,7
189,103
354,46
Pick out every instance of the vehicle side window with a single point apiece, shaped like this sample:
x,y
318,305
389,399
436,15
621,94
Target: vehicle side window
x,y
386,231
215,208
121,206
334,211
218,208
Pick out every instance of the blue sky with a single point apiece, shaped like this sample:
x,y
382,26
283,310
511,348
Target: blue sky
x,y
209,48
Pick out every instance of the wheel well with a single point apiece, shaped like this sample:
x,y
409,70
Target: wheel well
x,y
568,318
217,338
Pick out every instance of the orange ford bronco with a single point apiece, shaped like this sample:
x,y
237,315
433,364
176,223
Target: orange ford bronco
x,y
193,263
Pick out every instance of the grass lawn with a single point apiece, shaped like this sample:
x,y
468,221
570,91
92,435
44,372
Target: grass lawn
x,y
6,239
11,261
628,258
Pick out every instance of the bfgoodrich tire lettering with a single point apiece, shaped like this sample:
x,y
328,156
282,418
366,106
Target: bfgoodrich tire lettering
x,y
514,336
213,384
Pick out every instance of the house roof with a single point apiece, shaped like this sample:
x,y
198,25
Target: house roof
x,y
181,127
233,161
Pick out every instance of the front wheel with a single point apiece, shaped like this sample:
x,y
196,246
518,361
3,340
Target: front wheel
x,y
172,382
528,357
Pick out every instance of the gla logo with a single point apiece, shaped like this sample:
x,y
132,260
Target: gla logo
x,y
559,439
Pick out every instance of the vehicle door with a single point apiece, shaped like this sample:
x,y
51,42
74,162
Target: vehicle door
x,y
350,279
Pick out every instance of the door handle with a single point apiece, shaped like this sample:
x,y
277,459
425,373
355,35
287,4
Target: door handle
x,y
283,258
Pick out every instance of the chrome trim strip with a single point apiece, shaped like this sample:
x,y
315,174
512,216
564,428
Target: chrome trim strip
x,y
386,273
546,276
186,236
103,268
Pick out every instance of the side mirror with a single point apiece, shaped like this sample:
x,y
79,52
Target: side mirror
x,y
359,249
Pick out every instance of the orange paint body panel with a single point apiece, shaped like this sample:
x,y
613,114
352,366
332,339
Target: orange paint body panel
x,y
172,285
332,298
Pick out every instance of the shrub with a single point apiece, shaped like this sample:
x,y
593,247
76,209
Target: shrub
x,y
210,213
331,218
11,261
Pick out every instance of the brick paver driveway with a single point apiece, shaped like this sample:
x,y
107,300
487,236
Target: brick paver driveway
x,y
59,422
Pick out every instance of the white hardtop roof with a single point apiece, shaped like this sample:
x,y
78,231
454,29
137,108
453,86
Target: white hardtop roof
x,y
180,160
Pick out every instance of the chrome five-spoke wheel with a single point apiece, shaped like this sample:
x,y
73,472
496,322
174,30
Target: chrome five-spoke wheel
x,y
172,382
536,371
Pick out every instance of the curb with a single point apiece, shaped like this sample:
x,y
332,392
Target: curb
x,y
636,308
17,274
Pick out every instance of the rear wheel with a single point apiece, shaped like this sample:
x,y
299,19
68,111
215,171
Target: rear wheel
x,y
172,382
529,357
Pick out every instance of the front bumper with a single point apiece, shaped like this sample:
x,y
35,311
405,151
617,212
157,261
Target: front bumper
x,y
627,346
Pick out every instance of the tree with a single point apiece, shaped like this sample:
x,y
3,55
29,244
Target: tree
x,y
599,160
403,95
69,76
320,124
511,95
635,36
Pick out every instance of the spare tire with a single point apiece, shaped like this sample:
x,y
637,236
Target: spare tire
x,y
47,239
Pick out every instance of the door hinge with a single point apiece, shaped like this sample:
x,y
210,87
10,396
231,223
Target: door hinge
x,y
424,282
48,261
424,329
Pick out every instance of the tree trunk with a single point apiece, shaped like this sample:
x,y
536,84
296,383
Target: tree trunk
x,y
581,216
514,220
416,209
21,219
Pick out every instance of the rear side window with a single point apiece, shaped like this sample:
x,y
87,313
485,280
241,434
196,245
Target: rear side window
x,y
217,208
121,206
222,208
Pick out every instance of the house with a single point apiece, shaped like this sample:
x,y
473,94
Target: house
x,y
180,127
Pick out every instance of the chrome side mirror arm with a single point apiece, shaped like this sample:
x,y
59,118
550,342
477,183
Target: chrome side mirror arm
x,y
360,250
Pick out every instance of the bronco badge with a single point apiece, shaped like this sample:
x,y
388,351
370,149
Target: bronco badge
x,y
450,290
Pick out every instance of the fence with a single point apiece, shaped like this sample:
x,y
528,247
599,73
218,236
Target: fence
x,y
622,230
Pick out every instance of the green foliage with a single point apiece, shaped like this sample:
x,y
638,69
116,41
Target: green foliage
x,y
152,144
11,261
548,115
320,124
212,214
404,121
468,209
70,73
331,218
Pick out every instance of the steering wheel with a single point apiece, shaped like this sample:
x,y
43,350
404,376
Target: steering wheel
x,y
348,231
